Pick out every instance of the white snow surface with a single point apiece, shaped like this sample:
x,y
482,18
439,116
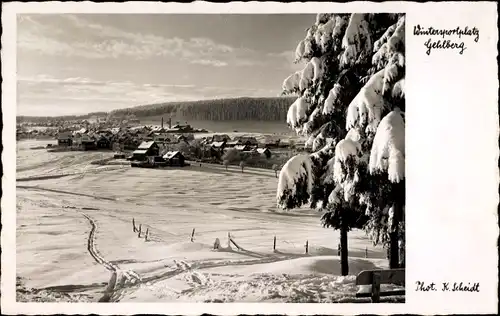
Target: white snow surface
x,y
365,109
295,169
55,217
388,149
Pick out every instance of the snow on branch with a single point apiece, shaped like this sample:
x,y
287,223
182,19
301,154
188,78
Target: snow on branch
x,y
389,49
330,101
326,34
291,83
397,41
297,113
388,149
299,51
384,38
392,72
323,18
366,108
345,172
317,68
307,76
295,182
357,40
398,91
340,24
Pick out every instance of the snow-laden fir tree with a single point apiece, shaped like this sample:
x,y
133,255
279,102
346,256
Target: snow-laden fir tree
x,y
350,105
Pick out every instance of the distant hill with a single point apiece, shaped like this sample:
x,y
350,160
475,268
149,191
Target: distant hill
x,y
232,109
35,119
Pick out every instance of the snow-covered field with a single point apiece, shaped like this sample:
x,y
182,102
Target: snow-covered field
x,y
75,232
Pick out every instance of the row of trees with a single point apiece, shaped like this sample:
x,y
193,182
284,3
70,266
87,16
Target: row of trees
x,y
350,103
233,109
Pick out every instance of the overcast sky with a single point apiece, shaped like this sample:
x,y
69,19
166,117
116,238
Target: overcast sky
x,y
73,64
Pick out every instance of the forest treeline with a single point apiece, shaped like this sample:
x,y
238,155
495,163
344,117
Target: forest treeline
x,y
231,109
234,109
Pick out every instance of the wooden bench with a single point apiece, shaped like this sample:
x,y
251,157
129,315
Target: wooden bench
x,y
377,277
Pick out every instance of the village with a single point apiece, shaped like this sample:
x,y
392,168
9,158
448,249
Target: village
x,y
167,145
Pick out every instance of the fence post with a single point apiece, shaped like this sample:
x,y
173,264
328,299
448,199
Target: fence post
x,y
133,225
366,252
140,229
146,236
307,246
274,244
192,235
228,240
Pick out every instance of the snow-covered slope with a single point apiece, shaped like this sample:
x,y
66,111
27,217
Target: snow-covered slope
x,y
56,218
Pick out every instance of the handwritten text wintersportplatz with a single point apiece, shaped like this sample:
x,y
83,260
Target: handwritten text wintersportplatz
x,y
445,43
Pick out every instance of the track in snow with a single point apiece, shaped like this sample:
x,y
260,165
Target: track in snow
x,y
126,276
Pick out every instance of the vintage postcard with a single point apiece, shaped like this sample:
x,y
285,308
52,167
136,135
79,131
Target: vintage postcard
x,y
250,158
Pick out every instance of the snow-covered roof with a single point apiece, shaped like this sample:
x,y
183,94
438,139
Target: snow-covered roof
x,y
240,147
218,144
146,145
140,152
171,154
262,150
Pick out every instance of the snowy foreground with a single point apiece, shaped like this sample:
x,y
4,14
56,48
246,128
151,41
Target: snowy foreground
x,y
75,232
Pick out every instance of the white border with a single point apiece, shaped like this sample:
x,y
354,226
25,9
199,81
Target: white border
x,y
432,226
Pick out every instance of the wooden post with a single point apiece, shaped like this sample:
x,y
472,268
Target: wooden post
x,y
376,287
192,235
274,244
133,225
307,246
366,252
140,229
228,240
146,236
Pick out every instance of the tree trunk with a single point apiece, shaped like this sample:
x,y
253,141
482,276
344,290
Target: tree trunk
x,y
393,251
344,264
394,238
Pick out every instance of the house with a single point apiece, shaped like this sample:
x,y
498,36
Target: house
x,y
64,139
174,158
184,138
220,138
178,128
233,143
146,149
246,140
218,145
162,137
265,152
87,142
103,142
270,143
